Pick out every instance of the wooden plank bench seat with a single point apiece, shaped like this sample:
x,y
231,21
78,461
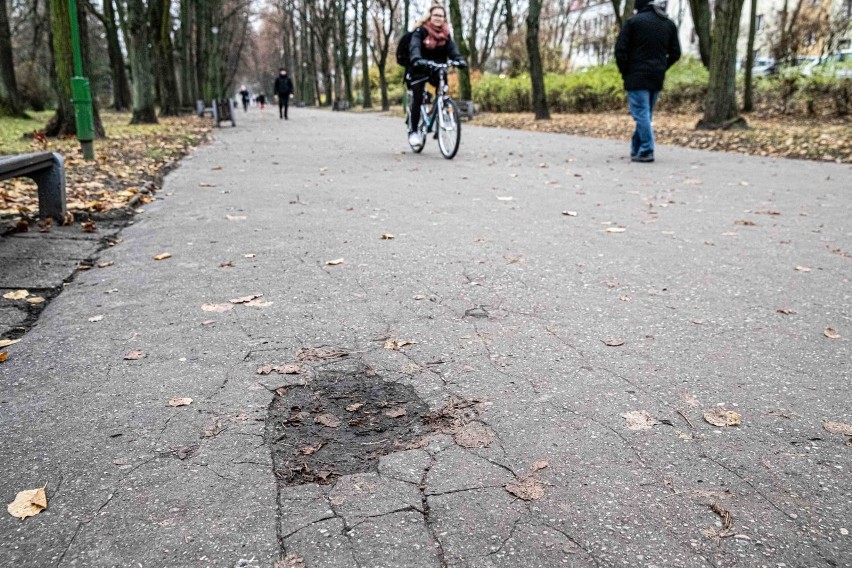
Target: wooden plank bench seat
x,y
47,170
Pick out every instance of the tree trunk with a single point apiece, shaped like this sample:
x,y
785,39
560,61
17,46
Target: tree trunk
x,y
120,85
344,54
365,61
720,104
63,122
748,102
144,111
702,20
10,104
161,32
539,98
458,36
188,79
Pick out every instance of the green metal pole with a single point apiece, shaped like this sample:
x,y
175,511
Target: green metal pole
x,y
81,92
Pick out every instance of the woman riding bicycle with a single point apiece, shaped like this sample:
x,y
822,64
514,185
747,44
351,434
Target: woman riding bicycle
x,y
430,42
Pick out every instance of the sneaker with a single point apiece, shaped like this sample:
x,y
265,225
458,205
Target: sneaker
x,y
643,157
414,139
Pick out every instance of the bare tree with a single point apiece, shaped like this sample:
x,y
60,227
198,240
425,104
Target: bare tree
x,y
383,14
539,98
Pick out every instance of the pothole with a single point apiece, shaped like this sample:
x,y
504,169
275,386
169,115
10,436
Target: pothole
x,y
340,422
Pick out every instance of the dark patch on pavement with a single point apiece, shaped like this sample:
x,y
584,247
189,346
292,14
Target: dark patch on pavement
x,y
340,423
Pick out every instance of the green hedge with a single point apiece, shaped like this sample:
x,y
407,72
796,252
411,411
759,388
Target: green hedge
x,y
600,89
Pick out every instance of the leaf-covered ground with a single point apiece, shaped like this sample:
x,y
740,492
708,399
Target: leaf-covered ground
x,y
780,137
130,161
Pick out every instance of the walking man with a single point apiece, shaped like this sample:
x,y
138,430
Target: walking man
x,y
283,89
645,49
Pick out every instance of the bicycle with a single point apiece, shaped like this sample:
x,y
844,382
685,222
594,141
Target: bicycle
x,y
443,112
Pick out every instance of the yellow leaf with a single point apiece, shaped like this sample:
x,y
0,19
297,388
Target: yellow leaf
x,y
8,342
3,356
163,256
16,295
35,300
28,503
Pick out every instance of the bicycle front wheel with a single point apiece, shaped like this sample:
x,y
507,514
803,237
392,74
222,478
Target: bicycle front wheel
x,y
449,129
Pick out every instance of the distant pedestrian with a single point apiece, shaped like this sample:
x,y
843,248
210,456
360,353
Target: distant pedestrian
x,y
645,49
261,101
245,96
283,91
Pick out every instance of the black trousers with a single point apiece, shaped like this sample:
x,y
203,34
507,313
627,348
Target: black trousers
x,y
283,104
417,86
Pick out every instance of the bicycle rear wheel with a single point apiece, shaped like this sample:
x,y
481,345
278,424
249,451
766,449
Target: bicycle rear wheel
x,y
449,129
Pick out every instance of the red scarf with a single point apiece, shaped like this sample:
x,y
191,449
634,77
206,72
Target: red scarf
x,y
437,36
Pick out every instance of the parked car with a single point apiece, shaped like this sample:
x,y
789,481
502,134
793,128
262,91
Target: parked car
x,y
838,64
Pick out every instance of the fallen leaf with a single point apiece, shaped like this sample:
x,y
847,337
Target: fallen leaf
x,y
35,300
228,264
258,304
134,355
419,297
236,217
354,407
329,420
88,226
245,299
386,236
615,229
507,198
639,420
205,184
291,561
163,256
625,298
722,418
540,464
3,356
831,333
288,369
334,262
727,518
8,342
527,488
785,311
217,307
208,322
28,503
249,255
16,295
474,435
308,450
745,223
614,342
837,428
396,412
570,213
96,318
105,264
802,269
396,345
186,401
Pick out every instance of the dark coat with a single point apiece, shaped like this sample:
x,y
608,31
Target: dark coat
x,y
283,86
646,47
441,54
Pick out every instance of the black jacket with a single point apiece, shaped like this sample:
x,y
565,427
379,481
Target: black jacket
x,y
283,85
441,54
646,47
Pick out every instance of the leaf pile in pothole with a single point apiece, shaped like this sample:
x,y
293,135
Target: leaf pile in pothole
x,y
340,423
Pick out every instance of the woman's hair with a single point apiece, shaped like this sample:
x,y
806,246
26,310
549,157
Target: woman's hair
x,y
435,6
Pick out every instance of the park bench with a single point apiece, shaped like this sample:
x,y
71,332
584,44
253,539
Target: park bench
x,y
47,170
220,110
466,109
340,105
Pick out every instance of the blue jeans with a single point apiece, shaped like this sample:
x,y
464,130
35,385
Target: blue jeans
x,y
641,105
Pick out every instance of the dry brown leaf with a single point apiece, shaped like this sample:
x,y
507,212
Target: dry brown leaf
x,y
163,256
291,561
88,226
837,428
134,355
354,407
615,229
185,401
3,356
613,342
725,515
396,412
16,295
639,420
625,298
329,420
527,488
308,450
96,318
334,262
396,345
208,322
721,418
217,307
258,304
831,333
386,236
539,464
105,264
28,503
785,311
35,300
8,342
474,435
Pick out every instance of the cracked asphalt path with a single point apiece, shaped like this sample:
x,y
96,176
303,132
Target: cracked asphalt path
x,y
510,303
